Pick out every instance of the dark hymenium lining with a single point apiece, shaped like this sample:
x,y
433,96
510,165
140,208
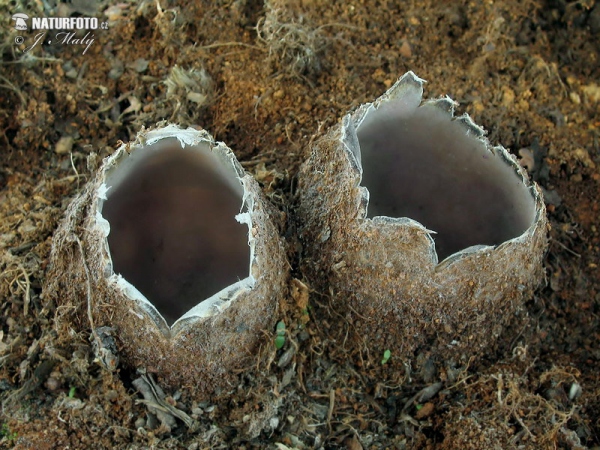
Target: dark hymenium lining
x,y
173,233
420,164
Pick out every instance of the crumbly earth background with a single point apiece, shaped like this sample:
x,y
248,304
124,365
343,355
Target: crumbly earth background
x,y
265,78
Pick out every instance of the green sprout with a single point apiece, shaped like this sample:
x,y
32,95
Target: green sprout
x,y
280,338
386,356
72,392
6,433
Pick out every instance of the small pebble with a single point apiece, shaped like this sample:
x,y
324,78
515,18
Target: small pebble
x,y
405,50
425,411
53,384
592,92
508,97
196,97
116,70
140,423
575,391
574,96
139,65
286,357
112,395
64,145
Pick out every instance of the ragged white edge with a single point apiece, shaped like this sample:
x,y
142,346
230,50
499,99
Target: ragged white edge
x,y
227,157
475,131
405,94
250,191
131,292
227,163
102,225
189,136
246,217
540,206
408,90
525,238
403,98
229,167
458,256
216,303
402,221
406,223
351,146
445,104
108,164
538,220
363,202
471,128
511,160
102,190
223,299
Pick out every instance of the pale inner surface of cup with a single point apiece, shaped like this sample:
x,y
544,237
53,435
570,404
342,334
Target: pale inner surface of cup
x,y
422,165
173,233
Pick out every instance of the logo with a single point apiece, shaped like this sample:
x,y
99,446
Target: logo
x,y
20,19
72,25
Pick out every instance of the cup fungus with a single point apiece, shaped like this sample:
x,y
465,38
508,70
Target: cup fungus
x,y
174,246
430,237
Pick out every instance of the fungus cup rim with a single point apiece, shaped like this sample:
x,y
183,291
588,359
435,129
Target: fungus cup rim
x,y
409,89
229,167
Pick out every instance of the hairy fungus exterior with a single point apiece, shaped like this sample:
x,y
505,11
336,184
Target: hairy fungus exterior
x,y
429,238
217,331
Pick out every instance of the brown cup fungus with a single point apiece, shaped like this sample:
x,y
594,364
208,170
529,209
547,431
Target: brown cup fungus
x,y
173,245
429,238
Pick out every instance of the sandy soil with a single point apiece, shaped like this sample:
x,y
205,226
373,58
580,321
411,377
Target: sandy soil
x,y
265,78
